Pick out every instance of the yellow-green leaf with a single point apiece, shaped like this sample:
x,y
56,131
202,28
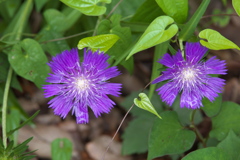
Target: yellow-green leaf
x,y
101,42
214,40
143,102
236,6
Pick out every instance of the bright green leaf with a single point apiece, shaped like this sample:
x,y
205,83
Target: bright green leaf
x,y
210,153
236,6
231,144
29,61
160,30
212,108
176,9
102,42
61,149
215,41
143,102
88,7
168,137
226,120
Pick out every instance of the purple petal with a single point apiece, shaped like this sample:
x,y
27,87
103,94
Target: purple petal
x,y
194,52
215,66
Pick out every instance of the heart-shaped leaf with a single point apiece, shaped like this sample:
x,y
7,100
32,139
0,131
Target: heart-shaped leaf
x,y
143,102
214,40
160,30
212,108
88,7
61,149
102,42
236,6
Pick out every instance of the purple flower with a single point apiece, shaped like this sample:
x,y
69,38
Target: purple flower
x,y
190,77
76,85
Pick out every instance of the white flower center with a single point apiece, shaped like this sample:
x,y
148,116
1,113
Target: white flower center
x,y
188,74
82,83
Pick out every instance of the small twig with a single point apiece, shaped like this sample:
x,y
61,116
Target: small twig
x,y
63,38
207,16
114,8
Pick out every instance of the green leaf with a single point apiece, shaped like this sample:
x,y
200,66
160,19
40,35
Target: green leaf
x,y
29,61
230,145
214,40
160,30
176,9
226,120
61,149
210,153
212,108
169,137
135,137
221,21
191,25
88,7
236,4
55,19
53,47
143,102
102,42
147,12
40,4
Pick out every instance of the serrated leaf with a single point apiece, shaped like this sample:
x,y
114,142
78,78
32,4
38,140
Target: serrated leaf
x,y
160,30
226,120
168,137
102,42
191,25
236,6
210,153
29,61
176,9
88,7
215,41
61,149
212,108
230,145
143,102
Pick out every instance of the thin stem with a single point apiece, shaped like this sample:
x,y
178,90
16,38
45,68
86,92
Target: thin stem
x,y
199,135
114,8
181,48
4,107
63,38
207,16
96,27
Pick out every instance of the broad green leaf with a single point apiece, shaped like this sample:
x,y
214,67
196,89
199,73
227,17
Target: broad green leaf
x,y
53,47
55,19
88,7
135,137
61,149
210,153
212,108
29,61
160,30
102,42
226,120
231,145
168,137
189,29
176,9
125,8
236,6
135,131
147,12
215,41
143,102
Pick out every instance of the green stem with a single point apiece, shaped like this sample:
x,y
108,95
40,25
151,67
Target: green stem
x,y
22,20
4,107
199,135
181,48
